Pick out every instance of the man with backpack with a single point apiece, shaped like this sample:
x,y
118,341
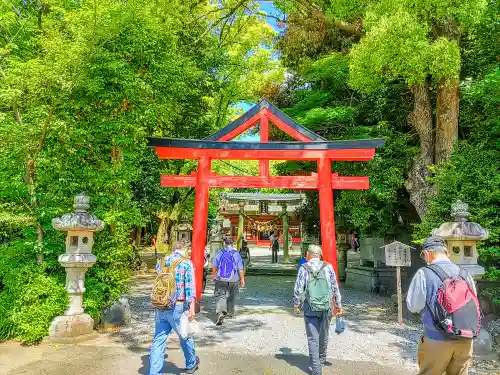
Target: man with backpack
x,y
173,295
317,293
445,295
228,273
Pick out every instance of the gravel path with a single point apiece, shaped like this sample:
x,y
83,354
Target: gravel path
x,y
265,325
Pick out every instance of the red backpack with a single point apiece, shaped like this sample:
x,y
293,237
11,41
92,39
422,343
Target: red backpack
x,y
456,310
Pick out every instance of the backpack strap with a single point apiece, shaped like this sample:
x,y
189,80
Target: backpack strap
x,y
312,272
438,271
172,266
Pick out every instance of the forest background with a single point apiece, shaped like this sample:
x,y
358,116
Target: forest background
x,y
82,84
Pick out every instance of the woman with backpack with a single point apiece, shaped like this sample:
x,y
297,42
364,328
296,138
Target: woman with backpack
x,y
229,275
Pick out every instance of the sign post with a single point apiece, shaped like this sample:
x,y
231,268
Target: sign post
x,y
398,255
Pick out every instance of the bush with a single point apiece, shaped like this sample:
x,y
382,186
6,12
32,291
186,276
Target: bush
x,y
29,297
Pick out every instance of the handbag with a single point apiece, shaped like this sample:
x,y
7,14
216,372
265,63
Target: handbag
x,y
339,325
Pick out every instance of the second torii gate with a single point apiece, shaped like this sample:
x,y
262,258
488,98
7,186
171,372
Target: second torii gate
x,y
309,146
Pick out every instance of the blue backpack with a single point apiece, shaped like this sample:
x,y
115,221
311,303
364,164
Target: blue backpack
x,y
226,266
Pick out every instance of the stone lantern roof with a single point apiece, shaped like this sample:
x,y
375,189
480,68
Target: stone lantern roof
x,y
460,228
80,220
183,225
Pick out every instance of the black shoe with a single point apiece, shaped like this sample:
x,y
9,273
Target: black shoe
x,y
220,319
193,369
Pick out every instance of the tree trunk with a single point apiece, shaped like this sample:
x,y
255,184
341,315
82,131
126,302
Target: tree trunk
x,y
161,239
138,237
420,118
447,114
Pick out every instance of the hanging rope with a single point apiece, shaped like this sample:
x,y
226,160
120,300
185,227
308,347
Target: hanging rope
x,y
264,225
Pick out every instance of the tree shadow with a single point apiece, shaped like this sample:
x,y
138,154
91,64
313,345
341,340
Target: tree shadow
x,y
299,361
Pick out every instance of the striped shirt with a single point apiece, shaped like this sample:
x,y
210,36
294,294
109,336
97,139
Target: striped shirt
x,y
303,278
185,286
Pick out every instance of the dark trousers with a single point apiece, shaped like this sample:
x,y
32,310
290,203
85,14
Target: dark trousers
x,y
274,251
317,330
225,296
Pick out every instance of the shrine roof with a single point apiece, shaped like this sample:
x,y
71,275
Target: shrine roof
x,y
264,103
258,196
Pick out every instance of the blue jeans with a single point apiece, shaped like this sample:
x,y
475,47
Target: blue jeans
x,y
166,320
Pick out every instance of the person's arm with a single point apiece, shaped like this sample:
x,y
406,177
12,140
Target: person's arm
x,y
337,298
299,288
215,262
190,289
417,293
471,282
241,269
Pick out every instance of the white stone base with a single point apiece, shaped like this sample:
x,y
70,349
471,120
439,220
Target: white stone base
x,y
71,328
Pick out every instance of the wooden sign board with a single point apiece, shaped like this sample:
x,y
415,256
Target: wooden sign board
x,y
398,254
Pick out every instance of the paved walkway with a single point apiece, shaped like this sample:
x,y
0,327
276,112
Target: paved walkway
x,y
265,338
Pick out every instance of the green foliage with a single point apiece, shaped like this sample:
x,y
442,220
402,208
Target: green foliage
x,y
481,119
397,47
30,296
481,44
408,39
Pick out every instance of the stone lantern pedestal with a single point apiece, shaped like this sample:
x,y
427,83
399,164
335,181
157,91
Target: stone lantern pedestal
x,y
75,325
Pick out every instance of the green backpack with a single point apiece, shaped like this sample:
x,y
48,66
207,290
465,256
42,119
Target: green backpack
x,y
318,290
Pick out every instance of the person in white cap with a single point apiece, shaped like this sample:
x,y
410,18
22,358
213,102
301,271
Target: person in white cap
x,y
317,293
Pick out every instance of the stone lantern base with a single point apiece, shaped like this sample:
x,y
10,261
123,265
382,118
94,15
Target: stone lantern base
x,y
70,329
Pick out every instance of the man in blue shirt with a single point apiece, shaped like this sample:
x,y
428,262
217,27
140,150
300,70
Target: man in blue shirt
x,y
228,273
437,353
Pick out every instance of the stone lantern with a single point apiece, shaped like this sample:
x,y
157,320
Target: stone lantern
x,y
461,237
75,325
183,230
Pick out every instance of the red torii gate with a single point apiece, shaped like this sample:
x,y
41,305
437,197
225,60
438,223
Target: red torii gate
x,y
309,146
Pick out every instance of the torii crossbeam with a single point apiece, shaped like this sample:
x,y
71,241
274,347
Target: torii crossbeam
x,y
309,146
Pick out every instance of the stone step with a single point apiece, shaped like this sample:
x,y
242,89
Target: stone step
x,y
267,270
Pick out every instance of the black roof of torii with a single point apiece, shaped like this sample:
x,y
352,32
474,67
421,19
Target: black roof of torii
x,y
264,103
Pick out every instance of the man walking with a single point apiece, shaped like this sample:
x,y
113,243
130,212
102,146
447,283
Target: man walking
x,y
444,350
169,319
317,286
228,273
